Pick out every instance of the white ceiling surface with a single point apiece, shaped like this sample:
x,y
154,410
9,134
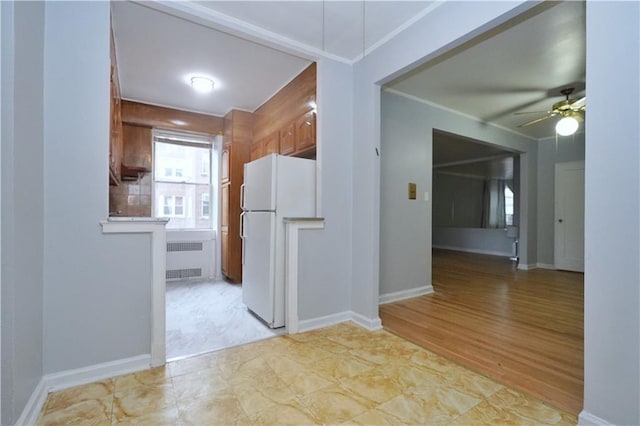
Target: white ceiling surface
x,y
157,53
332,26
513,70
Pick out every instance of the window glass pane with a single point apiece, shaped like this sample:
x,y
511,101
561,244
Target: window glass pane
x,y
205,205
182,184
508,205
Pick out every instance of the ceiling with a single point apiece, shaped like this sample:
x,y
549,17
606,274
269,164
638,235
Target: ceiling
x,y
332,26
521,66
158,53
454,154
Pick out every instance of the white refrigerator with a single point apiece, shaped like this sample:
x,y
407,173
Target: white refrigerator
x,y
274,187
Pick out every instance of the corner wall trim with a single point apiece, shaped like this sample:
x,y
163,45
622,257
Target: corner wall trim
x,y
525,267
81,376
326,321
34,405
155,227
292,229
371,324
405,294
546,266
587,419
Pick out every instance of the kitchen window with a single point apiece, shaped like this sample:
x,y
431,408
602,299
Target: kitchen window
x,y
182,188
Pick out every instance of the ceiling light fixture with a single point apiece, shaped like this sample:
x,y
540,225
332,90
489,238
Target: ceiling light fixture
x,y
567,125
202,84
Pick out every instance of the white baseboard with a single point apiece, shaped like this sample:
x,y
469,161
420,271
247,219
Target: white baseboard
x,y
34,405
94,373
525,267
81,376
471,250
587,419
321,322
405,294
546,266
371,324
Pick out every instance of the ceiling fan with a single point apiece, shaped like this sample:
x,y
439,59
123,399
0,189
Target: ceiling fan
x,y
571,110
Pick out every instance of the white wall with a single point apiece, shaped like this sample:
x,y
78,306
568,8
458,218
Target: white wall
x,y
449,24
97,303
612,204
406,156
325,256
22,203
569,148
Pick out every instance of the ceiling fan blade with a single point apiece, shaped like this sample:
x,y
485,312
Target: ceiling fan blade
x,y
579,103
537,120
532,112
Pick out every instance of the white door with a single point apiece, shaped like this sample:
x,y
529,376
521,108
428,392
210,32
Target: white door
x,y
258,263
569,216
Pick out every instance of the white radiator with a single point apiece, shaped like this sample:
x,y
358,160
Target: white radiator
x,y
190,255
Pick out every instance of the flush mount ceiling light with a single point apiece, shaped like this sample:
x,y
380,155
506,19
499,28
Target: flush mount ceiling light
x,y
567,125
202,84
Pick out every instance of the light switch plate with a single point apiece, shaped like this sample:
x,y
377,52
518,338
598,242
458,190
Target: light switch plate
x,y
412,191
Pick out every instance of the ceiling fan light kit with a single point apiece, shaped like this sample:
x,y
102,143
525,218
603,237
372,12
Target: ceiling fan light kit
x,y
570,111
567,126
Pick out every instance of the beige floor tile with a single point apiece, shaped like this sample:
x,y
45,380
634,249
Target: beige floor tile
x,y
426,405
301,378
254,399
153,376
167,416
292,413
71,396
218,410
201,383
374,417
335,404
373,386
473,384
142,401
340,367
527,409
94,412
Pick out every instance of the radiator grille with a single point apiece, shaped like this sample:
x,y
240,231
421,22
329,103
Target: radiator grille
x,y
184,273
184,246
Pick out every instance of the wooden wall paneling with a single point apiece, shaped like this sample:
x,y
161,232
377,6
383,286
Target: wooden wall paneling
x,y
293,100
238,138
168,118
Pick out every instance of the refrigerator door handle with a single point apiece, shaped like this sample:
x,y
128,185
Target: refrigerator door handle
x,y
242,196
242,225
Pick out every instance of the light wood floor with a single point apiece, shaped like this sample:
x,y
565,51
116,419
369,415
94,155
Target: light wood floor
x,y
521,328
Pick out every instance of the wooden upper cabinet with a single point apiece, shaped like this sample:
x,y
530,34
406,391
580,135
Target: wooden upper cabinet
x,y
288,140
137,147
305,131
271,144
256,150
225,164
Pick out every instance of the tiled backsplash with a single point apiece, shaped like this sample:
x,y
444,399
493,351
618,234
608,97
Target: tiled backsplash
x,y
131,198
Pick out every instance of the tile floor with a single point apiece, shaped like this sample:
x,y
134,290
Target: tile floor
x,y
207,316
337,375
